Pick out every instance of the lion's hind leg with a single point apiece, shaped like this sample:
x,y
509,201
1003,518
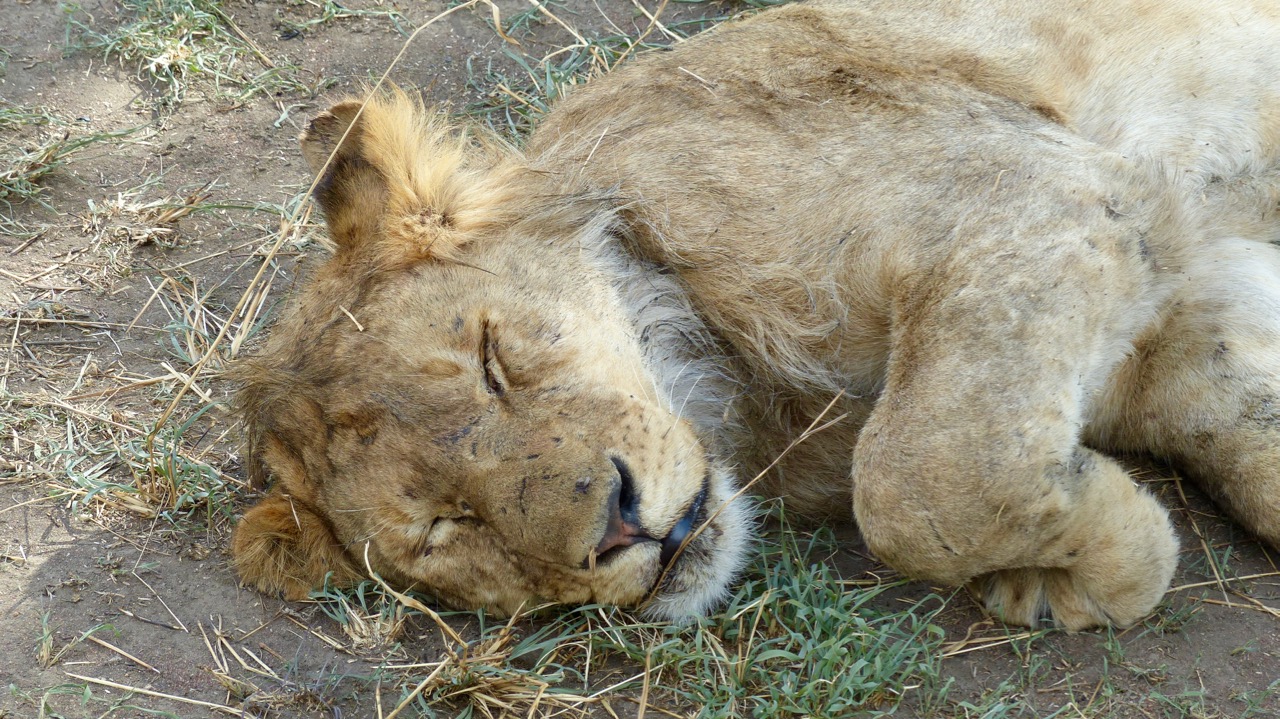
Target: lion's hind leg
x,y
1204,391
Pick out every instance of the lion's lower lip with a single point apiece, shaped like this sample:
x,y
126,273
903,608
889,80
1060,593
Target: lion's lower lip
x,y
683,527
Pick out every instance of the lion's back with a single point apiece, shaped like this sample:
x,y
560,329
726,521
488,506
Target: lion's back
x,y
796,167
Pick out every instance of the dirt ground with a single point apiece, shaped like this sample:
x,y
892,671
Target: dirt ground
x,y
116,598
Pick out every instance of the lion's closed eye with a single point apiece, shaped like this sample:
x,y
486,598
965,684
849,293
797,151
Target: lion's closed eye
x,y
494,374
444,529
425,545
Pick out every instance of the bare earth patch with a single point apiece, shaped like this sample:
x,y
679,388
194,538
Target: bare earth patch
x,y
152,216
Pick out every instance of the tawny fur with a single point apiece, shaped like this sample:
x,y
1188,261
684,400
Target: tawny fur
x,y
1015,235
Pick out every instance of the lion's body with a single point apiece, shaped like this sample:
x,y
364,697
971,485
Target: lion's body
x,y
1008,235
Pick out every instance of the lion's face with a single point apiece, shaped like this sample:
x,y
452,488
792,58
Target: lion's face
x,y
480,425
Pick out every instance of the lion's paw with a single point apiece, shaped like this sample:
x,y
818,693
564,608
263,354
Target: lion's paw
x,y
1071,599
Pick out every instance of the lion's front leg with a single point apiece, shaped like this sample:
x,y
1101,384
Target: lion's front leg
x,y
1081,544
971,468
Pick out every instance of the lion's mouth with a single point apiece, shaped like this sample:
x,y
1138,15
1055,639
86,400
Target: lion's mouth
x,y
684,526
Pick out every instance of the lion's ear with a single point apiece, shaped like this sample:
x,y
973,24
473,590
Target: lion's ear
x,y
351,191
284,431
327,131
282,547
397,178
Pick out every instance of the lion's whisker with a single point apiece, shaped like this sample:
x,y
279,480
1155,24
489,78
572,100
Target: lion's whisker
x,y
680,413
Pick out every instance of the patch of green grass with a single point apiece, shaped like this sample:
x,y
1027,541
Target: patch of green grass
x,y
513,103
52,701
519,89
35,142
180,44
98,460
1261,703
331,10
174,478
1173,616
46,655
795,640
369,617
83,455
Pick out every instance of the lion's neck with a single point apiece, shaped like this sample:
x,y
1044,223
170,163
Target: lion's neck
x,y
687,367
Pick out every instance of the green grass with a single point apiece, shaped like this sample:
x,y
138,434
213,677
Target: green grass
x,y
794,640
181,45
518,89
95,702
186,48
35,142
330,10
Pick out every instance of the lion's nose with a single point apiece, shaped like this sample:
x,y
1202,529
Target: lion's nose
x,y
623,529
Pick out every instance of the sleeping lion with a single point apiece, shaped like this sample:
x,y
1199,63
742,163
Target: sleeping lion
x,y
996,241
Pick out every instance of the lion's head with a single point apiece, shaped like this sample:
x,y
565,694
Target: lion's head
x,y
467,394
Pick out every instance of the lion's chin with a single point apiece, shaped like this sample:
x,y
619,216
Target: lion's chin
x,y
702,574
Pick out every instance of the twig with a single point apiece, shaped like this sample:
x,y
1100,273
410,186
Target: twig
x,y
648,667
74,323
1215,582
963,646
34,501
653,22
8,358
516,97
131,615
333,643
1208,553
122,653
29,242
114,390
809,431
162,602
356,322
416,691
705,83
262,56
88,415
147,692
155,293
412,604
543,9
1253,604
660,710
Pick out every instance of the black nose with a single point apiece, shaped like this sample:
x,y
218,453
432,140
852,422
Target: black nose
x,y
623,529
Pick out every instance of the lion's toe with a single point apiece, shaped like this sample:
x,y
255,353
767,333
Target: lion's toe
x,y
1015,596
